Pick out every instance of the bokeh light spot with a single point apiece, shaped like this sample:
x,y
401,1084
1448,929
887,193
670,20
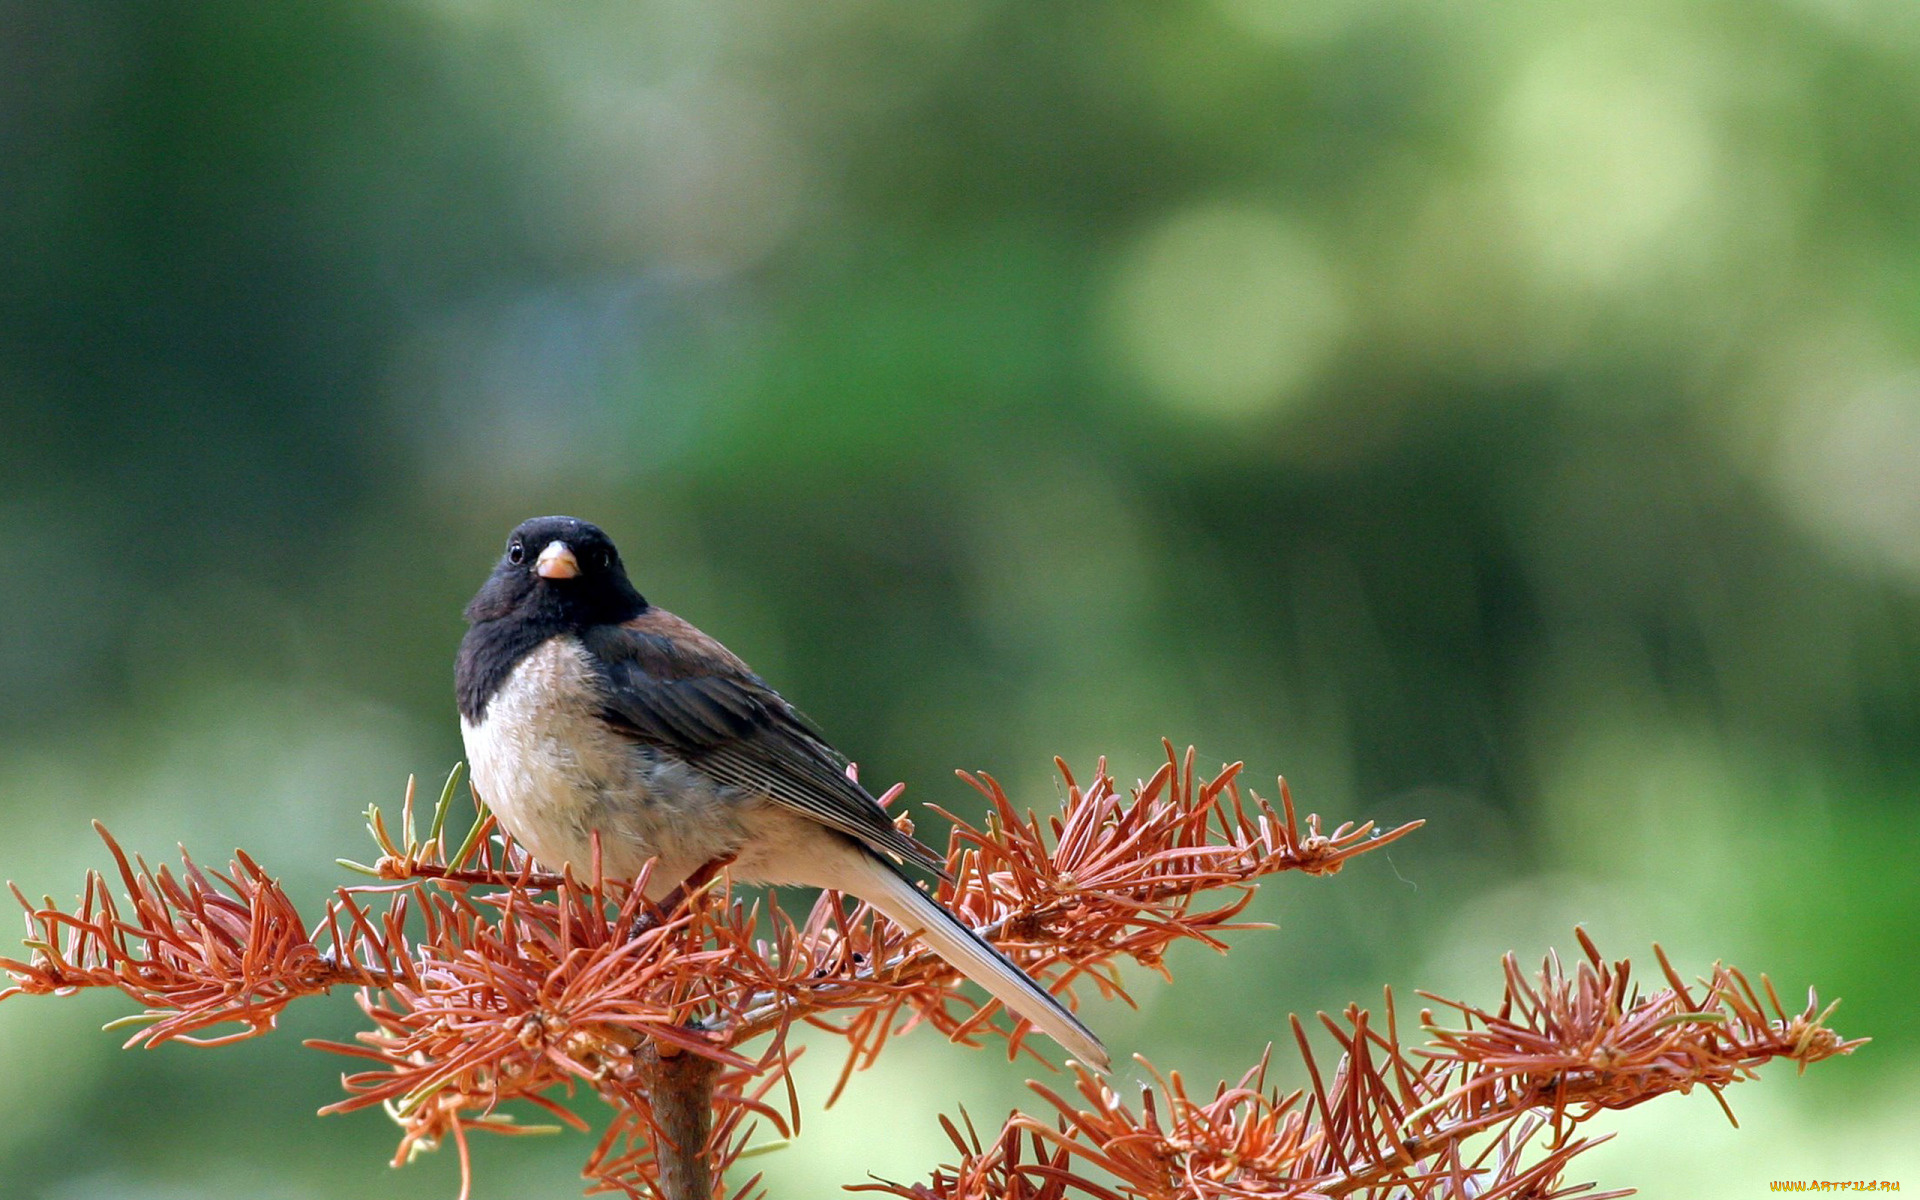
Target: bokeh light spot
x,y
1227,311
1604,162
1847,469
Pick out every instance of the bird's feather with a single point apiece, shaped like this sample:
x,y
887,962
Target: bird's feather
x,y
881,885
671,686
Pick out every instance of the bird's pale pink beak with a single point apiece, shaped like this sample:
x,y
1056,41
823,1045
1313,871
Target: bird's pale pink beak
x,y
556,562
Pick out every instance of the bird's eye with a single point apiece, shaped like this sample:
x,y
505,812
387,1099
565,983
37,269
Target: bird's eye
x,y
600,560
516,553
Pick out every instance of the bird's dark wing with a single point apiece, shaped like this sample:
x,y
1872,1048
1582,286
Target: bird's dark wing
x,y
671,686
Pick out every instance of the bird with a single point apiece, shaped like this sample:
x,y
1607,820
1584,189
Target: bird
x,y
590,714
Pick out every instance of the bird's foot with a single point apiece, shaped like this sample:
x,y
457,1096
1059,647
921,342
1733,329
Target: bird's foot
x,y
652,915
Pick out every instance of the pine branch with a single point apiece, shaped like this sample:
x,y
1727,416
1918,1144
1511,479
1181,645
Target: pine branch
x,y
485,982
1461,1116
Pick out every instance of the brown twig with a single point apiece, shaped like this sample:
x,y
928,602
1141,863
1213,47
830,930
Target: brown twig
x,y
679,1088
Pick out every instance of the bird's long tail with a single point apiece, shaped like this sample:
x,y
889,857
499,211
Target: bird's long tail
x,y
973,956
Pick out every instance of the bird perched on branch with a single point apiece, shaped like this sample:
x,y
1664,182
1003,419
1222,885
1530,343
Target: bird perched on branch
x,y
588,711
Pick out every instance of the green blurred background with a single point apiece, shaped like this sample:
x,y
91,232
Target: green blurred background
x,y
1506,415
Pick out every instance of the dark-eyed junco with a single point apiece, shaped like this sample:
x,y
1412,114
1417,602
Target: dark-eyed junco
x,y
587,710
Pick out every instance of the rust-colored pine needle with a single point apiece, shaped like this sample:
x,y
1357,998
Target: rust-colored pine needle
x,y
485,982
1488,1110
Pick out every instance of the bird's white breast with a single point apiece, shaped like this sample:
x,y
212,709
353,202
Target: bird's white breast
x,y
555,774
539,756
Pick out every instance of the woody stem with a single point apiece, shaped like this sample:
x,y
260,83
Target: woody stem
x,y
680,1092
